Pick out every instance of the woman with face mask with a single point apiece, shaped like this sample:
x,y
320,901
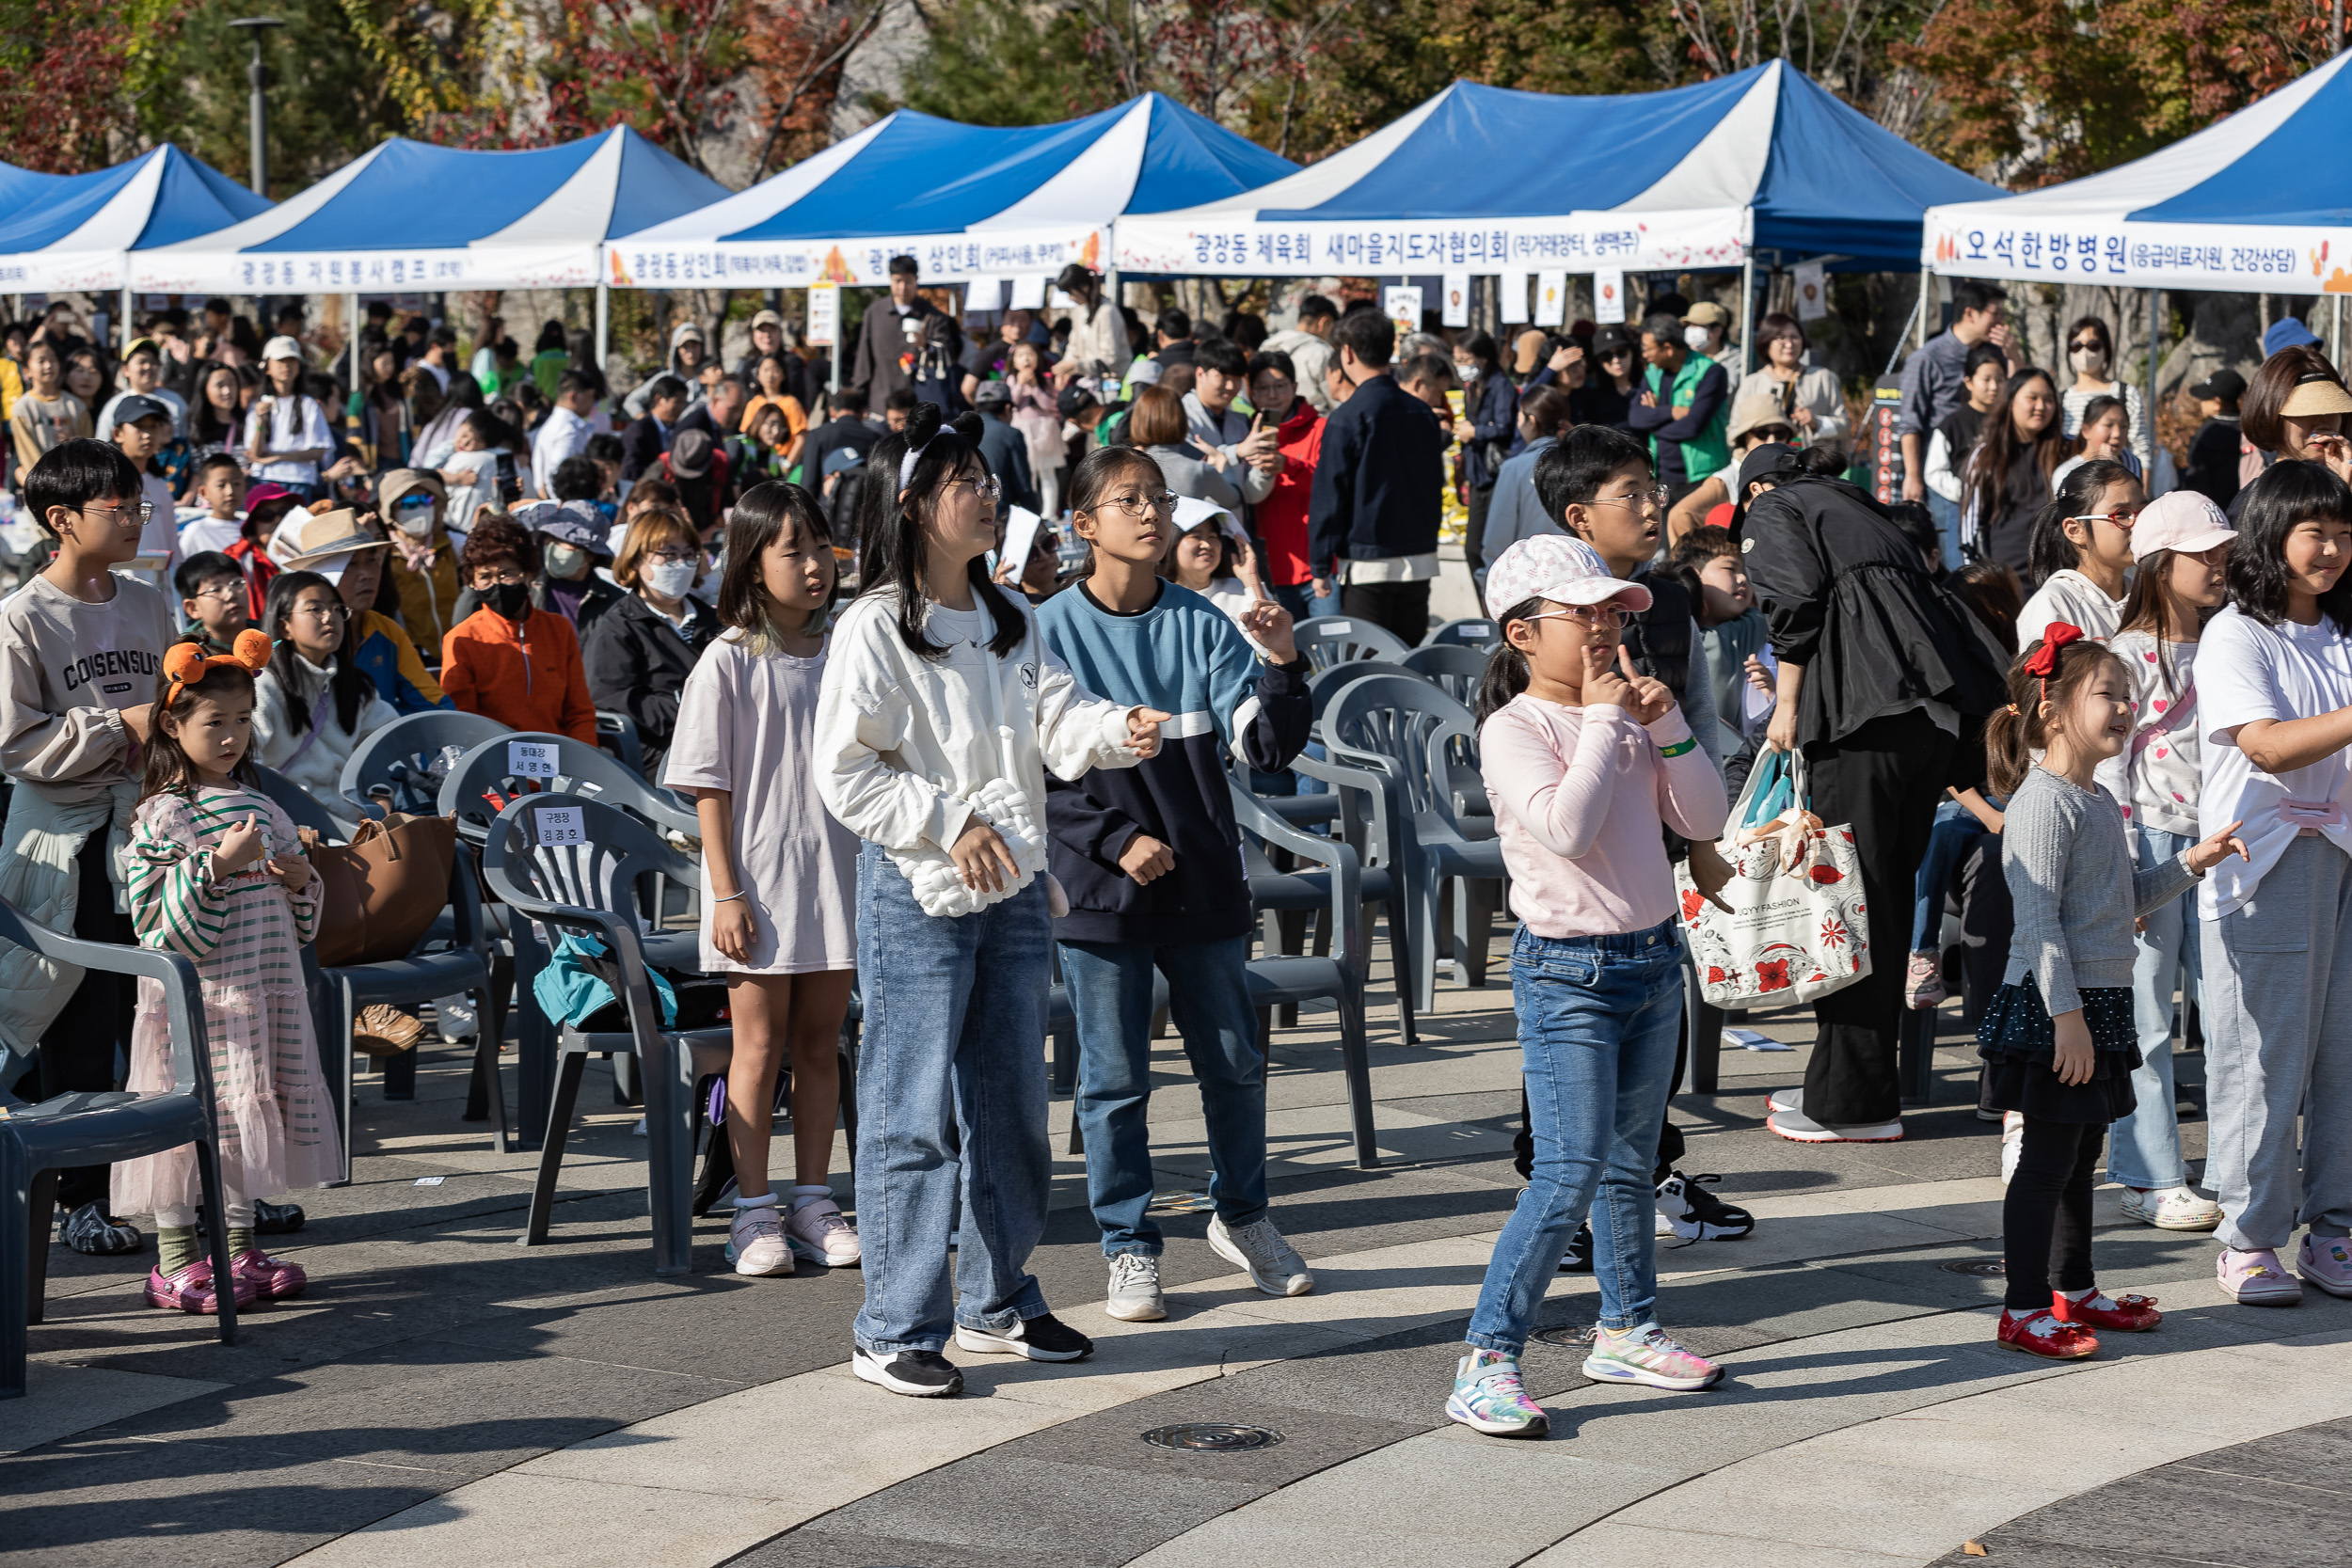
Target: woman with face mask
x,y
641,650
423,564
2090,354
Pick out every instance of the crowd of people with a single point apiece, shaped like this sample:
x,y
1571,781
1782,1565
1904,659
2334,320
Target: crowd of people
x,y
925,762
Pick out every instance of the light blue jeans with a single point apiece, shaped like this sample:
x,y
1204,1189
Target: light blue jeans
x,y
2144,1148
1208,1001
1946,515
951,1104
1598,1017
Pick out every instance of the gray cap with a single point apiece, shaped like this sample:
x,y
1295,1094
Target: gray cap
x,y
991,394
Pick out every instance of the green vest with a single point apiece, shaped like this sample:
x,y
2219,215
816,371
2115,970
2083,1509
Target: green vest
x,y
1710,449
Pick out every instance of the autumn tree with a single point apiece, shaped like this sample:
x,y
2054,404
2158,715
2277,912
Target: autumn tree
x,y
76,69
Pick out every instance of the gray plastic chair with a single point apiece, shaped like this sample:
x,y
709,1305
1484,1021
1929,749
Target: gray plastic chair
x,y
1457,670
305,809
393,767
1328,639
1476,634
616,733
90,1129
1414,735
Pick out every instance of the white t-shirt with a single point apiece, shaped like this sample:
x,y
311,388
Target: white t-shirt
x,y
296,425
2072,598
200,531
2247,670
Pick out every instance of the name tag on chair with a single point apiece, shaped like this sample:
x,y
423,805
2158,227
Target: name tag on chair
x,y
558,825
530,759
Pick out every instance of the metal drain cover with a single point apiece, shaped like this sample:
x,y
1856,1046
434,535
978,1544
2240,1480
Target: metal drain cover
x,y
1984,1268
1212,1437
1571,1336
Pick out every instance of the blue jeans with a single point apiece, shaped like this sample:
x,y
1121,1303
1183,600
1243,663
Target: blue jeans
x,y
1208,1001
1946,515
1955,833
1598,1017
951,1100
2144,1148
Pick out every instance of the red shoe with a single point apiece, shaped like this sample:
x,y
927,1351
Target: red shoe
x,y
191,1290
2123,1314
272,1278
2040,1333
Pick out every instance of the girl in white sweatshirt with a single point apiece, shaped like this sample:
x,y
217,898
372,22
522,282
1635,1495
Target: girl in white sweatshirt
x,y
940,712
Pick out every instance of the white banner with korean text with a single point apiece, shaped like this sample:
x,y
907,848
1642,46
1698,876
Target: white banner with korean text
x,y
1574,241
859,263
1983,241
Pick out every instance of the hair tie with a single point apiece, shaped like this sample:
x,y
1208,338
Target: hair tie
x,y
2013,712
187,664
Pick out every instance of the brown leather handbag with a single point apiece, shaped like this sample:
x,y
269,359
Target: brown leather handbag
x,y
380,891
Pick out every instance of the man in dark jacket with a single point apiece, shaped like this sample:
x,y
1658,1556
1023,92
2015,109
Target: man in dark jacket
x,y
846,428
2213,451
1884,684
644,442
1380,479
890,338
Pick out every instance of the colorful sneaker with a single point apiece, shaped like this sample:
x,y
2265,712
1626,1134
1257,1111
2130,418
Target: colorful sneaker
x,y
94,1233
1923,981
755,1243
2012,1142
1487,1397
2327,1262
191,1290
2256,1278
1688,1212
1798,1128
2171,1208
1275,1266
2123,1314
272,1278
2045,1334
822,1233
1642,1354
1135,1293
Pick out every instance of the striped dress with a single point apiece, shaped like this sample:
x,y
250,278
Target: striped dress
x,y
245,934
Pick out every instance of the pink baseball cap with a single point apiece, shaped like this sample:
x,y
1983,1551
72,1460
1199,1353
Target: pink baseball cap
x,y
1556,567
2181,520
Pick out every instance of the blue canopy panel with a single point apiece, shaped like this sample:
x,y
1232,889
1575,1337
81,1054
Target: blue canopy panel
x,y
72,230
407,215
1480,180
966,201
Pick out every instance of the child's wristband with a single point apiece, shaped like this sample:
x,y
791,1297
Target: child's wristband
x,y
1678,747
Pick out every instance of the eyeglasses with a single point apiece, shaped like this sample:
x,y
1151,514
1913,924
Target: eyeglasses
x,y
1137,506
2122,518
1653,499
335,611
222,590
507,579
671,556
143,512
1610,614
2085,343
988,489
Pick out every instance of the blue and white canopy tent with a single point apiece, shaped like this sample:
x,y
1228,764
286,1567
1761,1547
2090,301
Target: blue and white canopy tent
x,y
411,216
967,201
63,232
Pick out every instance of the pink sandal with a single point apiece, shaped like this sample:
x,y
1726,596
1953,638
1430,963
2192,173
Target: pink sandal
x,y
191,1289
272,1278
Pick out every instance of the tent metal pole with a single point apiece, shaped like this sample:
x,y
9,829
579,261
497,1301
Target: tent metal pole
x,y
2156,310
1747,311
1926,292
351,348
604,325
2335,330
122,338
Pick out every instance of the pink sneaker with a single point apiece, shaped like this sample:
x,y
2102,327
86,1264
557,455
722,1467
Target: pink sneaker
x,y
1923,981
822,1233
2256,1278
274,1278
2327,1262
191,1289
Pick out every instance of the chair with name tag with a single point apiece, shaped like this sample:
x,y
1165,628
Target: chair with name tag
x,y
1328,639
1481,635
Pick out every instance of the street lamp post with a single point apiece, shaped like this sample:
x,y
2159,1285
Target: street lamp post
x,y
258,75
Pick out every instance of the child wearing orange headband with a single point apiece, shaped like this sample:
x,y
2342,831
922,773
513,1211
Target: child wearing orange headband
x,y
218,877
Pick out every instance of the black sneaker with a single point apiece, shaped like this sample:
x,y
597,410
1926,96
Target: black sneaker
x,y
1690,1212
91,1230
1044,1337
923,1374
269,1219
1580,1258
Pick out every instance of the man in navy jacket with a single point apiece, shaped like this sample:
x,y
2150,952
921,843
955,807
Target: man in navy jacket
x,y
1371,518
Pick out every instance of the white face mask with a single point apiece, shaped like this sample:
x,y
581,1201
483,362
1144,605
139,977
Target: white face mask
x,y
1694,338
671,580
564,560
1465,372
415,522
2087,361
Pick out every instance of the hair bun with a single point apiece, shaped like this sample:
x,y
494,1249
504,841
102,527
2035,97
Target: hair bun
x,y
923,422
251,649
184,661
967,424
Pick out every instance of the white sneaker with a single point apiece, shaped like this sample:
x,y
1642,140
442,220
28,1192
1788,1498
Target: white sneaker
x,y
1274,1266
822,1233
756,1241
2012,1142
1134,1291
2171,1208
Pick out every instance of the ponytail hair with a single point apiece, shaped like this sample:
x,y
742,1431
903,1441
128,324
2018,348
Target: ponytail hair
x,y
2014,732
1507,673
942,453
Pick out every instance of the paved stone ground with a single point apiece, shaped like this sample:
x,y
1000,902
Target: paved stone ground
x,y
445,1396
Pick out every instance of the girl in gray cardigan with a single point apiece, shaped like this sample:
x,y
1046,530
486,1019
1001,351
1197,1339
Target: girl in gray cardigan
x,y
2059,1035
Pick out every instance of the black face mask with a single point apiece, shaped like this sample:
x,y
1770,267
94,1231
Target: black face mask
x,y
510,599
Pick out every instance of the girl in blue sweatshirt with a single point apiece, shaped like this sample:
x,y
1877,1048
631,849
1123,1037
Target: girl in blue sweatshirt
x,y
1150,858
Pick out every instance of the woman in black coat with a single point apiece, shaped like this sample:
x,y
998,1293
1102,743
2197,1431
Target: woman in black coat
x,y
641,650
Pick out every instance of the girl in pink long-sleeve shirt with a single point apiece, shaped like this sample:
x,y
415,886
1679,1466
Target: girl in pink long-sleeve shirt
x,y
1587,762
